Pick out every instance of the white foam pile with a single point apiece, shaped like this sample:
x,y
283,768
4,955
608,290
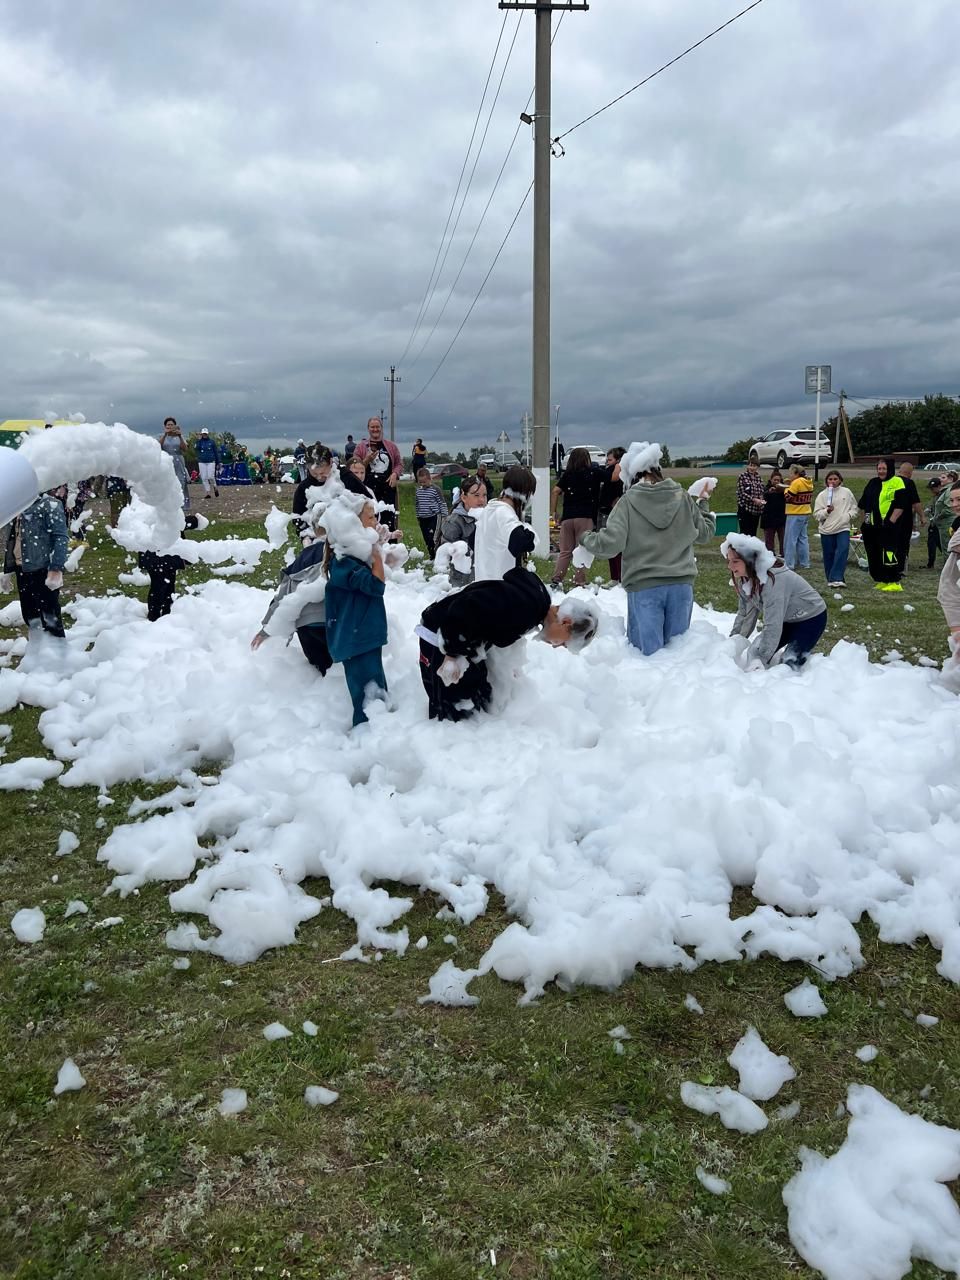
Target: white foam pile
x,y
598,883
880,1201
762,1073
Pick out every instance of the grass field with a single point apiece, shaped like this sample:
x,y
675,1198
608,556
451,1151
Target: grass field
x,y
461,1136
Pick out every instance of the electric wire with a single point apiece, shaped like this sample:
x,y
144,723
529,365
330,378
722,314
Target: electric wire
x,y
646,80
474,302
463,168
463,200
476,232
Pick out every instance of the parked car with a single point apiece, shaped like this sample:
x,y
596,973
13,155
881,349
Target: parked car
x,y
952,464
449,469
490,461
783,447
597,456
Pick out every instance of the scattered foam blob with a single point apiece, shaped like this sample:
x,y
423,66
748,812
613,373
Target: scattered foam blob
x,y
716,1186
881,1200
68,1078
232,1102
28,924
762,1072
315,1095
735,1111
805,1001
276,1031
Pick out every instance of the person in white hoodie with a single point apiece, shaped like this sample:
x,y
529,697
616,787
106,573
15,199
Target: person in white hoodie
x,y
794,615
835,511
502,538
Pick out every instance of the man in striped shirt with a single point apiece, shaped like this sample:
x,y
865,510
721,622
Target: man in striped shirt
x,y
430,508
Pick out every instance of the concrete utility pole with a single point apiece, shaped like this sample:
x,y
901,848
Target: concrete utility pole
x,y
393,380
541,259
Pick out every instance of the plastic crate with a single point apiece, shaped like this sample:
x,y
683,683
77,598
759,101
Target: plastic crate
x,y
726,523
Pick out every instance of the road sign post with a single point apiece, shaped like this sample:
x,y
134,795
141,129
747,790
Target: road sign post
x,y
816,378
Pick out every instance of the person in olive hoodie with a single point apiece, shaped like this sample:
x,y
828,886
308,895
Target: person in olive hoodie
x,y
457,630
655,525
356,617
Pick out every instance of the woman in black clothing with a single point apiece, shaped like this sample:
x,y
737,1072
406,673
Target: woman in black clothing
x,y
579,486
611,491
162,571
773,519
885,502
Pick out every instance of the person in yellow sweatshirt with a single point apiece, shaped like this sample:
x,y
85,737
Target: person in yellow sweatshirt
x,y
798,494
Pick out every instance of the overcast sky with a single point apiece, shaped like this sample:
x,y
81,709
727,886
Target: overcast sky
x,y
228,211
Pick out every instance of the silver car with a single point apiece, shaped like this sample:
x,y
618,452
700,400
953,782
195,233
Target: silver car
x,y
782,447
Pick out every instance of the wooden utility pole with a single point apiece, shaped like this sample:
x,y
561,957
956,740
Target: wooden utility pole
x,y
393,380
541,257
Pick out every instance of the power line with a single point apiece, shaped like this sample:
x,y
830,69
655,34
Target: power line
x,y
673,61
463,169
474,302
496,184
463,201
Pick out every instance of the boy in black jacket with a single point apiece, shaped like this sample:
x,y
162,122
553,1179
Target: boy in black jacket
x,y
456,632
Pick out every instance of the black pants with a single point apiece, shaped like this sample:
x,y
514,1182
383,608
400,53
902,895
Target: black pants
x,y
38,603
383,493
429,530
933,544
313,642
748,521
457,701
800,638
882,545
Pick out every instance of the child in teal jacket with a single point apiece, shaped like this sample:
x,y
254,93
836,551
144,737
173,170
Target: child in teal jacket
x,y
357,620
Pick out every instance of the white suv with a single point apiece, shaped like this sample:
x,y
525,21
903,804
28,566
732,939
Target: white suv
x,y
781,447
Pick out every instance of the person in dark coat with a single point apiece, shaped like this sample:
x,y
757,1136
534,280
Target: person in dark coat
x,y
773,518
456,631
611,491
163,570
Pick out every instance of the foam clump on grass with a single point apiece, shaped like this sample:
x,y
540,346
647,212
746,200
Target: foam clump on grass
x,y
232,1102
448,986
315,1095
735,1111
762,1072
866,1212
67,843
276,1031
805,1001
68,1078
710,1182
28,924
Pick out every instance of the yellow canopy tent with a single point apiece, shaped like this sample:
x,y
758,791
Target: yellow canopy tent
x,y
14,428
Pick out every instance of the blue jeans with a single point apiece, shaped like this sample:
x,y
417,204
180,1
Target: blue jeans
x,y
657,614
362,672
836,548
795,545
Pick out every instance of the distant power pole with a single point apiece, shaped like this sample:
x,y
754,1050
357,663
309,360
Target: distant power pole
x,y
541,257
393,380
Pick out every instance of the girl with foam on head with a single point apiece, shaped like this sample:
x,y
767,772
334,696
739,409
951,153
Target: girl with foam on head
x,y
794,615
356,619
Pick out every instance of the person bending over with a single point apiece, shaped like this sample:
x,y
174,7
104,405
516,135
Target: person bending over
x,y
456,631
794,615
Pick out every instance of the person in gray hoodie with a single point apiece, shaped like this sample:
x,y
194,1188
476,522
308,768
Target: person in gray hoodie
x,y
461,526
307,616
794,615
656,525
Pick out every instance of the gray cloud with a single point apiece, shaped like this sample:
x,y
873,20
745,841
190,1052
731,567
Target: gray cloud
x,y
245,202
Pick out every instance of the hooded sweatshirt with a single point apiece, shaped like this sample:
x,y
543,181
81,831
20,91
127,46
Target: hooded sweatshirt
x,y
798,493
655,526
